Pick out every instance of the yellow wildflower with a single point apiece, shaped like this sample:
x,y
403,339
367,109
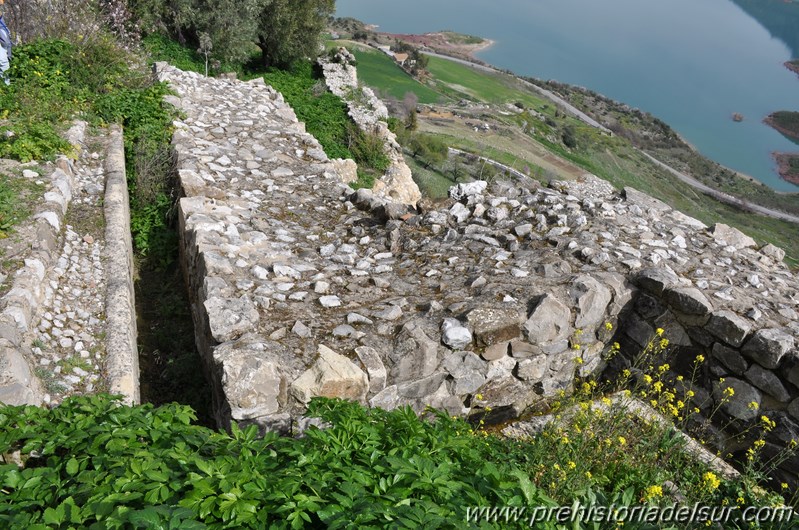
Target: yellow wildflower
x,y
652,492
622,440
608,326
659,331
768,423
711,481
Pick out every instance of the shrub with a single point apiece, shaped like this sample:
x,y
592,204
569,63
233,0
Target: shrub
x,y
325,115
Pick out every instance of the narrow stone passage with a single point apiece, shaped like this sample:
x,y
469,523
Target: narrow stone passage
x,y
69,346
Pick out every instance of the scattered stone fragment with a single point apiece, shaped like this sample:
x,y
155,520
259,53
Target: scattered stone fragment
x,y
454,334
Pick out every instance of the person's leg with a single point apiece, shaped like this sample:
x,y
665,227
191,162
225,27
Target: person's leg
x,y
4,65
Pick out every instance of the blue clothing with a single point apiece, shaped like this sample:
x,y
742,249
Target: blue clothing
x,y
5,37
5,50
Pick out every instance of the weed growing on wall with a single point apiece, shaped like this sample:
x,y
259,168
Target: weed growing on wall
x,y
56,81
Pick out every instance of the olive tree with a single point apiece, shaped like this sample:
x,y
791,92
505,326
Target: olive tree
x,y
292,29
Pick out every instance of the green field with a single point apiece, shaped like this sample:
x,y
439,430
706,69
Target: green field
x,y
460,80
379,71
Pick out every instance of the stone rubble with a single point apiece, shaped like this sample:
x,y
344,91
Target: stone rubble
x,y
504,291
68,344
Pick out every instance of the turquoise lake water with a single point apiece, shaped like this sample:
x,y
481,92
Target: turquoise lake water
x,y
690,63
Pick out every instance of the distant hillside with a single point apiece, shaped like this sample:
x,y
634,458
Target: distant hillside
x,y
787,122
779,17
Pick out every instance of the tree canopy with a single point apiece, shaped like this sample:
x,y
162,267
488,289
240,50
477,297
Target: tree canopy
x,y
283,30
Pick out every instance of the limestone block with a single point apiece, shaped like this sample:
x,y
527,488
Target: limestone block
x,y
729,236
459,212
768,346
728,327
533,369
387,399
422,387
655,280
793,372
468,371
591,299
346,169
397,184
520,349
496,351
459,362
509,392
793,409
18,384
465,190
454,334
415,354
730,358
773,252
332,375
769,383
374,367
739,404
500,368
252,382
622,290
493,325
688,300
549,321
229,318
442,399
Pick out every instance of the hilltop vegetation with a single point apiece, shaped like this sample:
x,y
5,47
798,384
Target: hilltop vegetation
x,y
785,121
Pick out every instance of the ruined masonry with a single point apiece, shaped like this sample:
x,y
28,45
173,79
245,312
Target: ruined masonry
x,y
498,297
370,115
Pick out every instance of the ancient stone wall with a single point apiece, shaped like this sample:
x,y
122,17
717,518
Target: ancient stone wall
x,y
370,115
499,297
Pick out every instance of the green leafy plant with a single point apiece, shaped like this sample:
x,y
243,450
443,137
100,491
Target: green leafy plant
x,y
95,463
